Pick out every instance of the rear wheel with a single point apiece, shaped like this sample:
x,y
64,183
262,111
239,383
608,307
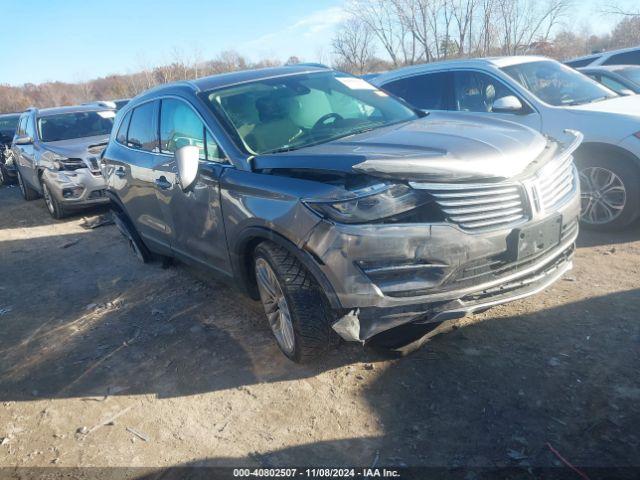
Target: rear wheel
x,y
610,193
56,209
295,306
27,192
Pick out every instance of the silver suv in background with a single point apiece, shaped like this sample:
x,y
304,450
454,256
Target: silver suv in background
x,y
339,206
549,97
8,123
56,152
623,56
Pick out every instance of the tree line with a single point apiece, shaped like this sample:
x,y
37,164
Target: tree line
x,y
377,35
385,34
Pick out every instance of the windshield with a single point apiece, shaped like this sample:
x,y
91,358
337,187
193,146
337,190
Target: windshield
x,y
556,84
632,74
296,111
8,125
66,126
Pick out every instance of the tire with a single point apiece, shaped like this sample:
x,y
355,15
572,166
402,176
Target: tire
x,y
4,178
27,192
310,333
616,206
54,207
136,244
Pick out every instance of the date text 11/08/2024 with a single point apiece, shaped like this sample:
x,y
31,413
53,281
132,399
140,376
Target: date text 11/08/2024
x,y
317,472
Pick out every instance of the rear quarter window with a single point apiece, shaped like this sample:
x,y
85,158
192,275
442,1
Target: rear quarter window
x,y
121,137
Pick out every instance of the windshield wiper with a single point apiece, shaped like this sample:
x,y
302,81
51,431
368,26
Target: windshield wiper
x,y
285,148
363,130
584,102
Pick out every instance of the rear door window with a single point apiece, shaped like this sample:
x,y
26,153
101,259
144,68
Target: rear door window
x,y
429,91
143,129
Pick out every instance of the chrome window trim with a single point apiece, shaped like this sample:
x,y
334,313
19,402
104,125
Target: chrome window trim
x,y
224,161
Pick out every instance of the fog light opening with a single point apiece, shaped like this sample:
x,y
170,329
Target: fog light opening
x,y
73,192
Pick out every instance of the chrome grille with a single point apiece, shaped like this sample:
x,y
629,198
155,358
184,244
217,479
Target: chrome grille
x,y
93,163
556,182
478,207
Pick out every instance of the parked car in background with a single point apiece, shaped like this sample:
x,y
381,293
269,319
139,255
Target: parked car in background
x,y
550,97
622,79
338,205
56,152
623,56
8,123
112,104
120,102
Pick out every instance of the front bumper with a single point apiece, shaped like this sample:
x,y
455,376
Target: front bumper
x,y
389,275
77,188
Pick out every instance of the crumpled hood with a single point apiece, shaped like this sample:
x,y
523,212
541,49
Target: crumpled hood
x,y
439,147
79,147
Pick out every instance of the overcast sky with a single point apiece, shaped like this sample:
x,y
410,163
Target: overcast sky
x,y
74,40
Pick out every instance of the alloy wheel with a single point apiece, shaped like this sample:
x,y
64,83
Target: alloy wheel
x,y
275,305
47,197
21,185
603,195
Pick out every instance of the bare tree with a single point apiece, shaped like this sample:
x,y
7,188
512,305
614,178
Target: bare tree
x,y
382,19
615,9
353,44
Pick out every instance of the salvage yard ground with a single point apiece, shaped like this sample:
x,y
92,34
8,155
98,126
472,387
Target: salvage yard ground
x,y
105,361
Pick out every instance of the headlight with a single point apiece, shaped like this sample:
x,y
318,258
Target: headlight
x,y
59,162
371,203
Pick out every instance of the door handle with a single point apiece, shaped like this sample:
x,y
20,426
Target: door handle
x,y
163,183
119,172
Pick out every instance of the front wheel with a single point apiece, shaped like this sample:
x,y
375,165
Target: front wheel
x,y
136,244
28,193
295,306
55,208
610,193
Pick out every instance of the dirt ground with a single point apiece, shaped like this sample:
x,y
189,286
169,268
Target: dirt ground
x,y
105,361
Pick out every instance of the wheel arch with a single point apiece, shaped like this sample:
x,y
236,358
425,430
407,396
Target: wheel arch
x,y
242,261
590,148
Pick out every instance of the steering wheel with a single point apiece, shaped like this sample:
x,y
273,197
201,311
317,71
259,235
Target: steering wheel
x,y
322,121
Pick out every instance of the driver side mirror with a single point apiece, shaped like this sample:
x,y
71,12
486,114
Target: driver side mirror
x,y
626,92
188,161
23,140
508,104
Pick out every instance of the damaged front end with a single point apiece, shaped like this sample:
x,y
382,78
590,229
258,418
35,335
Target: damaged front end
x,y
75,181
417,248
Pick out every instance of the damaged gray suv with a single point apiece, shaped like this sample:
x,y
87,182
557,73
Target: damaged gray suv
x,y
338,206
56,153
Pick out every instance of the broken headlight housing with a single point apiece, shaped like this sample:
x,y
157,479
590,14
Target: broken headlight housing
x,y
371,204
59,162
